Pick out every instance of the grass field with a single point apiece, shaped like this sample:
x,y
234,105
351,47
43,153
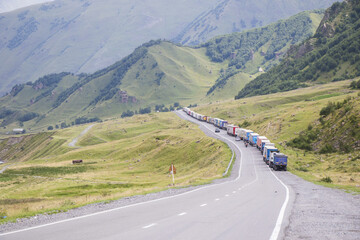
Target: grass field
x,y
281,117
121,158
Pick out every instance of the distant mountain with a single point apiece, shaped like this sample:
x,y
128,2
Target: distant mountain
x,y
156,73
239,15
84,35
332,54
11,5
87,35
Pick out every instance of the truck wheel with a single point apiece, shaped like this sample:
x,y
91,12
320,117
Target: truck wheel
x,y
270,164
275,167
285,168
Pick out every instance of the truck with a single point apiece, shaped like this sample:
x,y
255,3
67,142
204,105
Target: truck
x,y
278,161
238,131
265,143
217,122
223,124
259,139
267,151
242,133
231,129
253,138
247,136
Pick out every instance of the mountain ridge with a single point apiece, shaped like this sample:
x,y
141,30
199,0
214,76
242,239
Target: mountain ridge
x,y
55,36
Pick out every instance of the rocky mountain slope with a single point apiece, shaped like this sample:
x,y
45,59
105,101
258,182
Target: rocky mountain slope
x,y
332,54
238,15
84,36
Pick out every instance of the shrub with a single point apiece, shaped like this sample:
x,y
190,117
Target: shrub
x,y
326,179
327,149
245,124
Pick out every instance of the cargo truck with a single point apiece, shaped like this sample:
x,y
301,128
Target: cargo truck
x,y
223,124
267,151
247,136
231,129
259,139
238,131
265,143
253,138
278,161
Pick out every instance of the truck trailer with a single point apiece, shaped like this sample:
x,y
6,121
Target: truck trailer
x,y
267,152
247,136
253,138
231,129
259,139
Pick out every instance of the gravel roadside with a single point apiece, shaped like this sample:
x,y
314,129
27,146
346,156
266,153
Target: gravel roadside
x,y
321,213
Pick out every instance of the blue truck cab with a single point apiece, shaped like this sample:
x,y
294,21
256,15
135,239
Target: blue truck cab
x,y
278,161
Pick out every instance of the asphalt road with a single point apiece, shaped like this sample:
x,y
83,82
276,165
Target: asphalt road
x,y
254,205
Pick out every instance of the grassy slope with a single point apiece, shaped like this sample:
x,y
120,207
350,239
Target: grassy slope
x,y
121,158
283,116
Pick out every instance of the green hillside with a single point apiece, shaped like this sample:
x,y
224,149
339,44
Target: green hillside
x,y
156,73
260,48
332,54
121,158
85,36
317,127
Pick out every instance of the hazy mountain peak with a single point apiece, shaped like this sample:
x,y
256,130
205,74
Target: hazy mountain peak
x,y
11,5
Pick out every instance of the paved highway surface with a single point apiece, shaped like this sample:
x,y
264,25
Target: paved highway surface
x,y
254,205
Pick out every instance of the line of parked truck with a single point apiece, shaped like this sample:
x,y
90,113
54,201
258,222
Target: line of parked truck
x,y
271,155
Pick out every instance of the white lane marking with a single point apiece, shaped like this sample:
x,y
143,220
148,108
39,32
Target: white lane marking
x,y
203,205
137,204
234,191
149,226
182,214
226,195
277,228
217,199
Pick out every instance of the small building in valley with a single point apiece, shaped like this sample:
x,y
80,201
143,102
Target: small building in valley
x,y
18,131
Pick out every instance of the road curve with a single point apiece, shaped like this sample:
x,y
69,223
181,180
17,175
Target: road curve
x,y
253,205
75,140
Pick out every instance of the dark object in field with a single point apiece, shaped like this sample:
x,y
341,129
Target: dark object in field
x,y
77,161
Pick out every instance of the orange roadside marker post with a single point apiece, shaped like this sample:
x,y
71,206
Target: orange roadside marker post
x,y
172,171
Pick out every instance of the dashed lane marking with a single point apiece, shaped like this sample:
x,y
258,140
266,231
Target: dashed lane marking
x,y
203,205
150,225
182,214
